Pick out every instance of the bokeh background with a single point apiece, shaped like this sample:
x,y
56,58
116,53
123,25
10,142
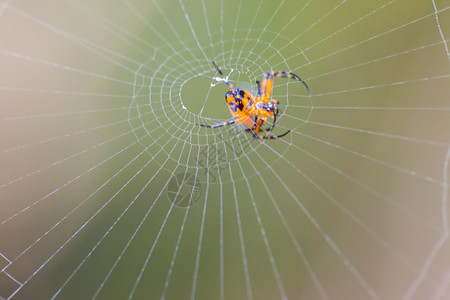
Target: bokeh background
x,y
108,189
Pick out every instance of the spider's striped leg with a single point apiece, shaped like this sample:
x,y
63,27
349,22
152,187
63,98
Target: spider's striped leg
x,y
218,69
274,121
269,137
256,125
218,124
270,75
224,78
259,87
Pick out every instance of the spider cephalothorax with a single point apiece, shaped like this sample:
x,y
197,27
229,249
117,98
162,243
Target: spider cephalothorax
x,y
251,110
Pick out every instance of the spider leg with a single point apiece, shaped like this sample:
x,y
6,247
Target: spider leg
x,y
259,88
253,126
218,124
224,78
257,125
268,81
274,121
269,137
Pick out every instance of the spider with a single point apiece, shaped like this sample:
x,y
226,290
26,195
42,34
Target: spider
x,y
244,106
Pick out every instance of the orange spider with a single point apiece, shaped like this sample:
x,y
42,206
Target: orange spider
x,y
244,106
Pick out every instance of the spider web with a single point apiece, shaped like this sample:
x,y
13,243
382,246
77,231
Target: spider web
x,y
109,190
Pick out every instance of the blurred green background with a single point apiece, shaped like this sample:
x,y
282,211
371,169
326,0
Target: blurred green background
x,y
100,153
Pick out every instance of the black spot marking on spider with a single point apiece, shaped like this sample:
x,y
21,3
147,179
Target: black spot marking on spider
x,y
240,105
